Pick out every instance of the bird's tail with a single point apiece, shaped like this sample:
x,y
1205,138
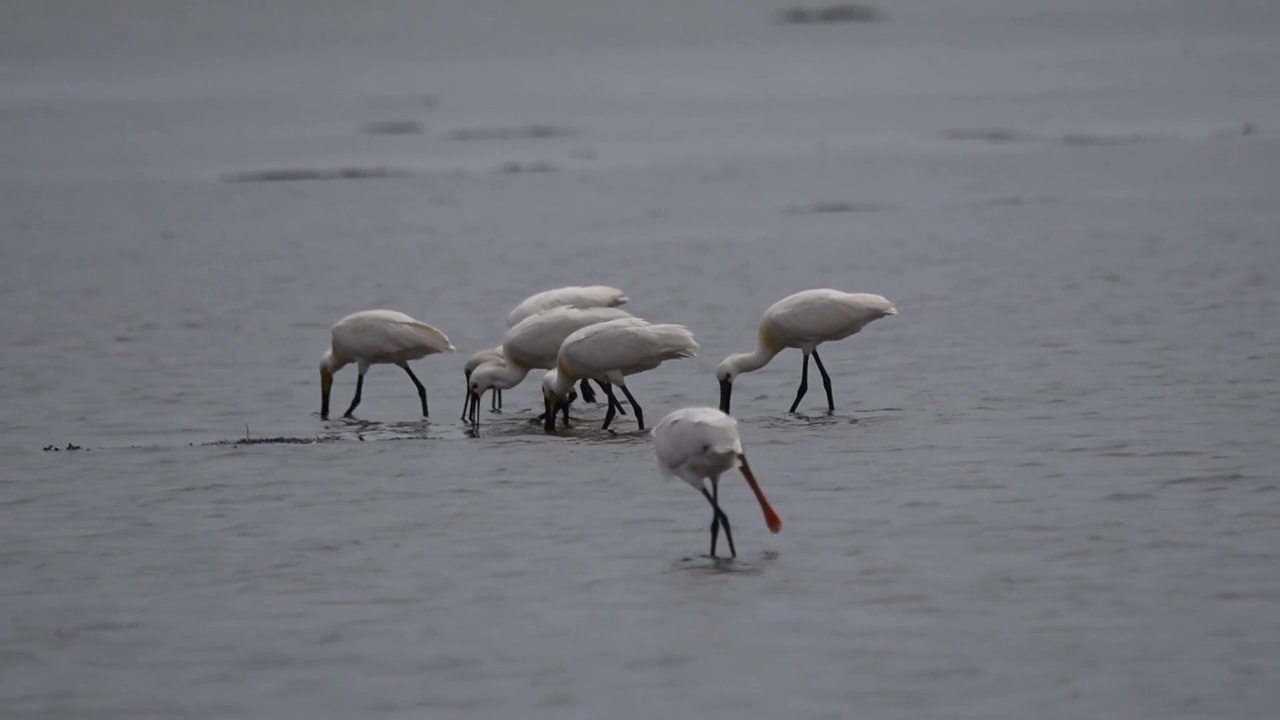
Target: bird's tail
x,y
435,339
676,341
877,306
885,307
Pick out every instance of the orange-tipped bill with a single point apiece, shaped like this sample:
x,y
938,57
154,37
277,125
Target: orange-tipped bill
x,y
770,517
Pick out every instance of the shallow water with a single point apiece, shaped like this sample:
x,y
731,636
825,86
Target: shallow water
x,y
1048,489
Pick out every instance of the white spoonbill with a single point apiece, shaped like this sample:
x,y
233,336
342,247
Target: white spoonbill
x,y
572,296
700,443
534,343
609,351
374,337
493,354
804,320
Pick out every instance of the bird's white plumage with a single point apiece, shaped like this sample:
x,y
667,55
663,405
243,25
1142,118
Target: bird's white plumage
x,y
805,320
609,351
810,317
493,354
571,296
697,443
383,336
535,342
375,337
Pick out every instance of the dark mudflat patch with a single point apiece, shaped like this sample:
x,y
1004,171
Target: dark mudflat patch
x,y
69,447
1245,130
536,166
276,441
830,14
991,135
308,174
833,206
394,127
525,132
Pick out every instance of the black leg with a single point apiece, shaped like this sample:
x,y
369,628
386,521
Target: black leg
x,y
718,519
588,395
715,516
548,415
573,397
616,405
635,406
613,404
355,400
564,412
497,400
422,391
474,401
724,519
826,382
804,384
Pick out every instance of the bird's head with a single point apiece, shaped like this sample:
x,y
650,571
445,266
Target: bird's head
x,y
555,392
726,373
554,389
482,378
727,370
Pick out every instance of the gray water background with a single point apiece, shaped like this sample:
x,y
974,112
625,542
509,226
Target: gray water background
x,y
1049,488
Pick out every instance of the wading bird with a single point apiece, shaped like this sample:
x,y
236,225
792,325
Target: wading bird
x,y
572,296
493,354
375,337
700,443
804,320
534,343
607,352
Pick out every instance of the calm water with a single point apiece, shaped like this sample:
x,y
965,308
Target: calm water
x,y
1048,490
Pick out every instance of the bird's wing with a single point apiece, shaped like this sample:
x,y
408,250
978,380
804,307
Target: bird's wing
x,y
574,296
387,335
819,316
489,355
690,433
628,344
535,341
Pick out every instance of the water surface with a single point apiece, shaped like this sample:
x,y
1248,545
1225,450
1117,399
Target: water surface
x,y
1048,489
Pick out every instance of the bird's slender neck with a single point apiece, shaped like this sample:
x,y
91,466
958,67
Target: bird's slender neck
x,y
333,360
754,360
561,384
505,377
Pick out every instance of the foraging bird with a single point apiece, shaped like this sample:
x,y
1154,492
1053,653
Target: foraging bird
x,y
572,296
493,354
534,343
698,443
609,351
373,337
804,320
